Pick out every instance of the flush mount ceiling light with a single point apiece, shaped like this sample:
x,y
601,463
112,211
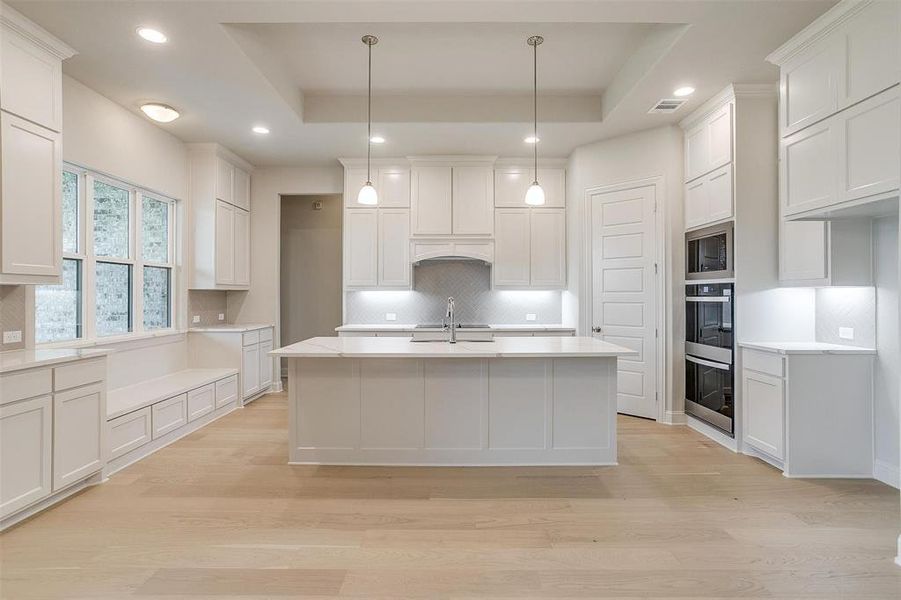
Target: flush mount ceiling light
x,y
152,35
260,129
683,91
367,194
161,113
535,194
377,139
532,140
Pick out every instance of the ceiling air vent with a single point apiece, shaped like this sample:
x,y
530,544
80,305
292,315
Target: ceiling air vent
x,y
667,105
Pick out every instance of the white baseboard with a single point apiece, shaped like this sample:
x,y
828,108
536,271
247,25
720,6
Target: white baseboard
x,y
674,417
888,474
752,451
712,432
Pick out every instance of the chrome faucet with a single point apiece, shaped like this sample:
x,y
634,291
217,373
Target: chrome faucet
x,y
451,319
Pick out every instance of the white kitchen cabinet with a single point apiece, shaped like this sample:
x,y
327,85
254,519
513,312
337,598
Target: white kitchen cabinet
x,y
26,453
821,253
394,247
265,347
708,144
129,432
530,248
361,234
803,251
169,415
431,200
219,189
250,370
473,201
765,422
808,168
79,434
30,202
709,199
235,348
201,401
392,183
512,182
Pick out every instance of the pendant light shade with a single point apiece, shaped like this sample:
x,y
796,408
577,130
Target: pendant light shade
x,y
535,194
368,196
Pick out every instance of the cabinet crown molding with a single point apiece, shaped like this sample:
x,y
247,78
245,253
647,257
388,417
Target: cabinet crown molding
x,y
408,161
820,28
221,151
16,21
722,98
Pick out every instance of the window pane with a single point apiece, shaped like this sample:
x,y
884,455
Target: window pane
x,y
70,212
58,307
112,286
155,230
110,221
156,298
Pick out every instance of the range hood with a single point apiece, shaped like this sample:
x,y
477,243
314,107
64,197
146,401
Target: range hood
x,y
481,250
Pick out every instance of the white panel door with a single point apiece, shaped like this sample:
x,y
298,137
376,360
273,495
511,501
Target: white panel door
x,y
803,251
512,254
695,203
719,195
871,51
393,187
31,190
79,433
870,139
241,191
719,134
201,401
225,181
553,181
473,200
361,232
431,199
31,80
242,247
510,186
265,364
809,168
354,179
547,247
250,370
697,152
764,413
808,83
26,447
225,243
623,250
394,247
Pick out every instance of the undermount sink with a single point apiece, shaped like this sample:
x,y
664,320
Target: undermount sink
x,y
434,332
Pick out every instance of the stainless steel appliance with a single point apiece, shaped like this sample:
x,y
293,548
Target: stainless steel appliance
x,y
708,253
709,352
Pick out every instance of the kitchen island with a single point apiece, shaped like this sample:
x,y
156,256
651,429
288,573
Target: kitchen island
x,y
510,401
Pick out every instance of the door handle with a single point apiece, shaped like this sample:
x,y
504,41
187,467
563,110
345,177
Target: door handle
x,y
596,329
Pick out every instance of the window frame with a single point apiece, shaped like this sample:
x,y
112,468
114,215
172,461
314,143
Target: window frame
x,y
135,259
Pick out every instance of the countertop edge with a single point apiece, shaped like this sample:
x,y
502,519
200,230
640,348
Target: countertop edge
x,y
776,348
82,354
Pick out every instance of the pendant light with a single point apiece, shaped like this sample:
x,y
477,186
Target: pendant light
x,y
535,194
368,195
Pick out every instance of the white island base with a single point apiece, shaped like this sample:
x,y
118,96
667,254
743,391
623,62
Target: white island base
x,y
389,401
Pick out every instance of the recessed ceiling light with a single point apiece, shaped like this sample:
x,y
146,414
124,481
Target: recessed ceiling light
x,y
162,113
532,139
377,139
684,91
152,35
260,129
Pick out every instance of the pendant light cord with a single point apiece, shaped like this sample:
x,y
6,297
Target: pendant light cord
x,y
535,105
369,121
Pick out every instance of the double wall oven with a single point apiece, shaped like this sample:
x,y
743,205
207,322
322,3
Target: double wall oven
x,y
709,331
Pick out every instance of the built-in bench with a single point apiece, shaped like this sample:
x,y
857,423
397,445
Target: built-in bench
x,y
146,416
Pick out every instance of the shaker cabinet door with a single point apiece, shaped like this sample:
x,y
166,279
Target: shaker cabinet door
x,y
431,200
79,433
512,254
394,247
225,243
361,248
26,448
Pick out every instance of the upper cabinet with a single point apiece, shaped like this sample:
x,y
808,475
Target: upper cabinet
x,y
839,111
708,144
219,187
512,181
452,197
30,151
530,248
392,183
431,200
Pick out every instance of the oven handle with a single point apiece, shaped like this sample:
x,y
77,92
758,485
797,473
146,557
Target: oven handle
x,y
720,299
708,363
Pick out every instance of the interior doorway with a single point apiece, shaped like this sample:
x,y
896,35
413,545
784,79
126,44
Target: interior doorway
x,y
624,286
310,278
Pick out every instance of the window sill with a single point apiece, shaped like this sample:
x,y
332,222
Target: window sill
x,y
115,340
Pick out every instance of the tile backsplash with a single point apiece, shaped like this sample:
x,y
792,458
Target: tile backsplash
x,y
469,282
846,308
208,305
12,313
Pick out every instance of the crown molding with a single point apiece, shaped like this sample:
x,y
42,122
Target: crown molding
x,y
722,98
827,23
22,25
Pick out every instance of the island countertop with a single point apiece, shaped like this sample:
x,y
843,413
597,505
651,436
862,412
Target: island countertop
x,y
515,347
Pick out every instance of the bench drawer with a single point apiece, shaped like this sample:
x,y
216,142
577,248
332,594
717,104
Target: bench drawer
x,y
129,432
25,384
763,362
251,337
226,391
169,415
266,334
201,401
79,373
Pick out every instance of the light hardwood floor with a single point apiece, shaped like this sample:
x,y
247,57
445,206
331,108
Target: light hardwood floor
x,y
220,515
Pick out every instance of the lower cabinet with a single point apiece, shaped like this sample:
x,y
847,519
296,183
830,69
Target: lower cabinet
x,y
78,434
245,350
201,401
265,364
250,370
169,415
129,432
765,416
26,447
226,391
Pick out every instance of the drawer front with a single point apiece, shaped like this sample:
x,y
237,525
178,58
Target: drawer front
x,y
251,337
226,391
201,401
25,384
266,334
79,373
763,362
129,432
169,415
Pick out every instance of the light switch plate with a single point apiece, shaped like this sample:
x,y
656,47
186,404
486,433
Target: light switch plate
x,y
196,319
221,316
12,337
391,316
846,333
531,317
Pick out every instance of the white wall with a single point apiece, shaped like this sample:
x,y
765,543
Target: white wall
x,y
652,153
888,359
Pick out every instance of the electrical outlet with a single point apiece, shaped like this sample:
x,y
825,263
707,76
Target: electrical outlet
x,y
531,317
846,333
221,316
12,337
196,319
391,316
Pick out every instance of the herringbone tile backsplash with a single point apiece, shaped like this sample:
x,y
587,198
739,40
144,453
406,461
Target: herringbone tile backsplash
x,y
846,307
469,282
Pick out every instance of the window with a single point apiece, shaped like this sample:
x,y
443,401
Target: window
x,y
118,267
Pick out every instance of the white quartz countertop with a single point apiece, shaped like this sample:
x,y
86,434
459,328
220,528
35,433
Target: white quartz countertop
x,y
231,328
412,326
515,347
806,348
16,360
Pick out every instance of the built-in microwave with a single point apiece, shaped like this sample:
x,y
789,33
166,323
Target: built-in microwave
x,y
708,253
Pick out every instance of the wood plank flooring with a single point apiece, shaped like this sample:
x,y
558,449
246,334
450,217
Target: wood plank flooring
x,y
220,515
